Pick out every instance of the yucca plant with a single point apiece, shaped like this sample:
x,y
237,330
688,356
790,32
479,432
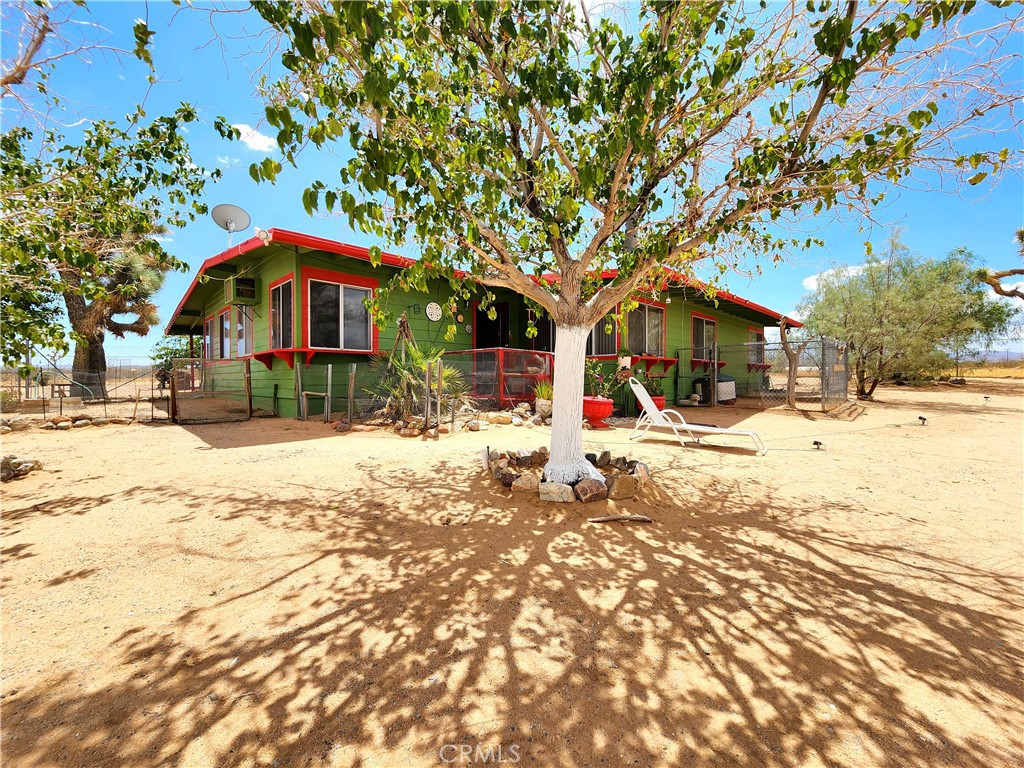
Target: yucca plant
x,y
402,383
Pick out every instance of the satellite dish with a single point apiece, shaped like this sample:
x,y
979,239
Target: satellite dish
x,y
230,217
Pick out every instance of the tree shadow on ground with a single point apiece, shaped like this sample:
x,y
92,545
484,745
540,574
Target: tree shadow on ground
x,y
733,631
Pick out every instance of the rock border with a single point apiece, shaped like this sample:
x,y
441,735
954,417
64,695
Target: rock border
x,y
624,477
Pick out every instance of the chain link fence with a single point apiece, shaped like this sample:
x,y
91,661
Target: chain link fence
x,y
208,391
758,375
130,387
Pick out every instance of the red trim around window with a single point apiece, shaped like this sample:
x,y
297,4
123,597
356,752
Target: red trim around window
x,y
270,311
339,278
664,321
220,329
208,346
696,361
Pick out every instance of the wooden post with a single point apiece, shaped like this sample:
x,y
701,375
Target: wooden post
x,y
299,410
428,390
440,375
327,394
172,403
248,387
351,390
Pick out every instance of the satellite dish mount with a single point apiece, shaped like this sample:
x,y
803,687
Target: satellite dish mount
x,y
230,217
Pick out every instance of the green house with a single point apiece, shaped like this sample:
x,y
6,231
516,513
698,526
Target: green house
x,y
292,305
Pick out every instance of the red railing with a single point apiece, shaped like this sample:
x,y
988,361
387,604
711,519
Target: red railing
x,y
503,376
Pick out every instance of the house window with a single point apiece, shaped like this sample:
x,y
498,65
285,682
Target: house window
x,y
243,331
755,346
600,342
338,318
704,336
208,339
646,331
281,316
224,337
544,341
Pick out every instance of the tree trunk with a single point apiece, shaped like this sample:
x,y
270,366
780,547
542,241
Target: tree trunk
x,y
567,464
793,362
89,369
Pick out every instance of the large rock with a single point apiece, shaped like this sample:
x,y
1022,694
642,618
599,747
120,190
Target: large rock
x,y
524,458
101,422
64,426
342,426
509,477
5,430
604,459
410,432
592,458
517,421
641,471
500,418
473,425
121,420
61,419
591,490
527,482
364,428
556,492
79,423
12,466
621,487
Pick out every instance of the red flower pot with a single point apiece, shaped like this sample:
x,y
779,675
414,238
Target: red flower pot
x,y
659,401
596,410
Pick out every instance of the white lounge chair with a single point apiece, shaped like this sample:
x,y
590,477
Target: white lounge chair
x,y
653,416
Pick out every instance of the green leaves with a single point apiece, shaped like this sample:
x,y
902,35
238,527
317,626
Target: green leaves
x,y
66,214
143,41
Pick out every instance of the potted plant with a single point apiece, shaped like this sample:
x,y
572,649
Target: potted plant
x,y
625,357
543,393
656,389
598,405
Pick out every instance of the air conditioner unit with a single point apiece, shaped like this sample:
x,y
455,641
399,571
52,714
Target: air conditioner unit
x,y
241,290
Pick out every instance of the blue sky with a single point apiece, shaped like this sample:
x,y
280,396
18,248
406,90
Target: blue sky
x,y
212,72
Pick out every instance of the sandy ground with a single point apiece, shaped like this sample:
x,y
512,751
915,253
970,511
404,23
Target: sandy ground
x,y
271,593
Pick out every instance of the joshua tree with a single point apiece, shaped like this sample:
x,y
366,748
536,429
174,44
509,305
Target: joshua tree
x,y
128,286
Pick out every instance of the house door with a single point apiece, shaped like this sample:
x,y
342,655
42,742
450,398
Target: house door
x,y
491,333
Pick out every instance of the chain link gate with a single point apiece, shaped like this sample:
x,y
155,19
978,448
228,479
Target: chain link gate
x,y
209,391
757,375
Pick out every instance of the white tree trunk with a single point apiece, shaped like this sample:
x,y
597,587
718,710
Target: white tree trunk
x,y
567,463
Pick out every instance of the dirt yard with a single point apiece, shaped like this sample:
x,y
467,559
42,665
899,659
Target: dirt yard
x,y
273,594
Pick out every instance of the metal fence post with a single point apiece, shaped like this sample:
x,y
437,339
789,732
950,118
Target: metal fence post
x,y
713,381
823,378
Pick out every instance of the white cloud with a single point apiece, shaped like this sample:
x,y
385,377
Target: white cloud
x,y
163,238
227,161
811,283
253,139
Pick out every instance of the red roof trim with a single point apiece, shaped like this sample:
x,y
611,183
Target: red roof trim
x,y
288,237
692,282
